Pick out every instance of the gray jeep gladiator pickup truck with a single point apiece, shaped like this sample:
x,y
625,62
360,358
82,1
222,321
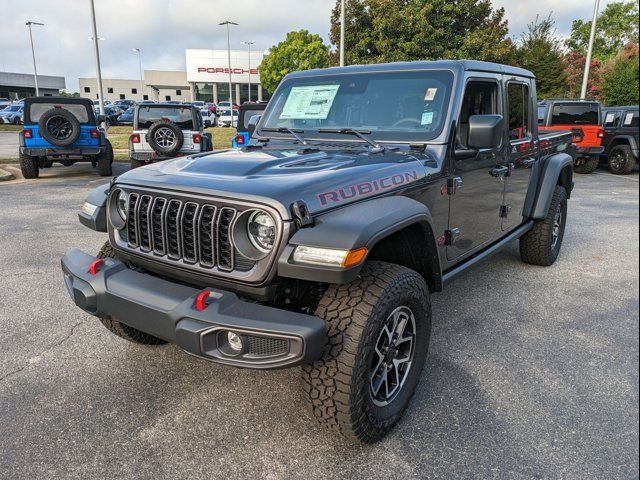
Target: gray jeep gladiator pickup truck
x,y
363,191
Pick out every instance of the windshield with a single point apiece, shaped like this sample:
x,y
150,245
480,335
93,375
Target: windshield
x,y
401,106
578,113
147,116
14,108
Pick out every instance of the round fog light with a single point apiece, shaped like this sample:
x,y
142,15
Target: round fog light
x,y
235,341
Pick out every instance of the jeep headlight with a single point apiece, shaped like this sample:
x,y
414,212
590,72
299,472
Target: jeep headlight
x,y
261,228
121,204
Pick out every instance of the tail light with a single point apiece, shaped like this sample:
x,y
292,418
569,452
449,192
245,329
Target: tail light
x,y
240,139
135,138
601,133
197,138
27,133
95,133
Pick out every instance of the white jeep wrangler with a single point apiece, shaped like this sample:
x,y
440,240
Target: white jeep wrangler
x,y
163,131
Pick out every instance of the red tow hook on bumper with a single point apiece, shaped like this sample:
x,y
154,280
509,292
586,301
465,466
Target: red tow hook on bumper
x,y
95,266
201,300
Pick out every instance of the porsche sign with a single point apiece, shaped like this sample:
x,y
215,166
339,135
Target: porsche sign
x,y
212,66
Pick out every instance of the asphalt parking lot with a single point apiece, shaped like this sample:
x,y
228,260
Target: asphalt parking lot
x,y
532,372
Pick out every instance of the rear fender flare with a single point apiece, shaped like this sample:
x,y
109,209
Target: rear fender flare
x,y
359,225
557,170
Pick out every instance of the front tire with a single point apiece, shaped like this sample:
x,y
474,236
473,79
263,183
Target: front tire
x,y
29,166
371,366
120,329
586,165
621,160
541,245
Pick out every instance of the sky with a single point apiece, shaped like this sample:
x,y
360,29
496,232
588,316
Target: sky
x,y
163,29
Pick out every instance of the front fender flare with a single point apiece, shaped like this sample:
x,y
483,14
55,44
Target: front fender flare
x,y
98,198
359,225
557,170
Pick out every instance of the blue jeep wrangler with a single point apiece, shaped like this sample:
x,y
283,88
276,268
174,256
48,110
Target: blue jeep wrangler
x,y
65,130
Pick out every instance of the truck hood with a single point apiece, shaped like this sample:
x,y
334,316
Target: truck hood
x,y
277,177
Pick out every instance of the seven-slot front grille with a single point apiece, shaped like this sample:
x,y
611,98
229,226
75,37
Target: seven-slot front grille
x,y
186,231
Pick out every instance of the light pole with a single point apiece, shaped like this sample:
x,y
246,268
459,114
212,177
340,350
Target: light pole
x,y
249,44
96,39
587,63
138,51
342,29
33,54
228,24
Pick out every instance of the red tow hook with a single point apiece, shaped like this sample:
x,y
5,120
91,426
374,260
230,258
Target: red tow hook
x,y
95,266
201,300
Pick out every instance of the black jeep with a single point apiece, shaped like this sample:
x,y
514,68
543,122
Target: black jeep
x,y
621,138
363,191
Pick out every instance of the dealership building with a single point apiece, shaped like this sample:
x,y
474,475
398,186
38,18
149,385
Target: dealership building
x,y
22,85
206,78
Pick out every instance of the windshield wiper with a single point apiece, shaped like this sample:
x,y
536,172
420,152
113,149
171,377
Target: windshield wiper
x,y
362,135
295,133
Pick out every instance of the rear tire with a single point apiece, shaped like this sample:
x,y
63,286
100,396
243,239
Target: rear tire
x,y
120,329
105,160
586,165
361,316
136,163
621,160
541,245
29,166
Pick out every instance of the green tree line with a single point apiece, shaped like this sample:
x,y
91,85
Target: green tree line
x,y
379,31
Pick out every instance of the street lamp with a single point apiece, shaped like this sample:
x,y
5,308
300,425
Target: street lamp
x,y
342,29
228,24
33,54
138,51
96,39
249,44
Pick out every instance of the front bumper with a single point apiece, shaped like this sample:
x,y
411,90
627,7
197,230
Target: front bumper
x,y
272,338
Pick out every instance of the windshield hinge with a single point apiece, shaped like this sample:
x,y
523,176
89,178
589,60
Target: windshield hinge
x,y
301,214
453,185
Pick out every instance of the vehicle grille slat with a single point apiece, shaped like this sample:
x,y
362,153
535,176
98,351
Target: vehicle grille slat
x,y
189,232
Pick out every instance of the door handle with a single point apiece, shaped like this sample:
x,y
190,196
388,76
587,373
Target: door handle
x,y
499,171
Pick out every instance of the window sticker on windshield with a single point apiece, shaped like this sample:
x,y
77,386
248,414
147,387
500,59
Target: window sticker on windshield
x,y
609,118
427,118
628,119
431,94
311,102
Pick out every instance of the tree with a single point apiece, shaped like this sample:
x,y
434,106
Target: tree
x,y
620,78
617,26
574,72
299,51
405,30
540,51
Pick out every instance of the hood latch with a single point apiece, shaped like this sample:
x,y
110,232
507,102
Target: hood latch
x,y
301,214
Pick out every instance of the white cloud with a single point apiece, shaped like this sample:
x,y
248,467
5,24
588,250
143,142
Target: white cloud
x,y
164,28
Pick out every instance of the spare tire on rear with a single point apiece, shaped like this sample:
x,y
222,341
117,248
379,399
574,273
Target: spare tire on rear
x,y
59,127
165,137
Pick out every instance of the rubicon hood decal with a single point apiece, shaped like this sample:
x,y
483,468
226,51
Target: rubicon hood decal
x,y
364,189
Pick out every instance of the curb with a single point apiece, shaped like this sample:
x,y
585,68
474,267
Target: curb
x,y
6,176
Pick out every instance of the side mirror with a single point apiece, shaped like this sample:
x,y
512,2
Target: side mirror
x,y
253,123
485,131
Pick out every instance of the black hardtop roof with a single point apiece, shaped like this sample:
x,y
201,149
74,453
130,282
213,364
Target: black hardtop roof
x,y
454,65
165,105
60,100
622,107
548,101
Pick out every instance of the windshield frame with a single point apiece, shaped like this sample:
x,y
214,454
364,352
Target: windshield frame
x,y
379,137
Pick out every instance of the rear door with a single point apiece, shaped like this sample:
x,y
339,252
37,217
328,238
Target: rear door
x,y
474,219
611,121
522,150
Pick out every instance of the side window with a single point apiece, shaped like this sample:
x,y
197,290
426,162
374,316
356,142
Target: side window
x,y
518,102
631,119
611,118
480,98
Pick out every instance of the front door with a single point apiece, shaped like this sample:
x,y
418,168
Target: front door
x,y
522,152
474,208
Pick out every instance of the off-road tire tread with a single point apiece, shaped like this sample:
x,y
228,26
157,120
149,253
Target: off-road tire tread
x,y
29,166
120,329
589,166
330,381
535,245
631,161
105,160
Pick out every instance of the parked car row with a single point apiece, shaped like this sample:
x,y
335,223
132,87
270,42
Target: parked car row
x,y
602,135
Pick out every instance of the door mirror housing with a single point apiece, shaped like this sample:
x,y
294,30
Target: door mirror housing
x,y
101,119
253,123
485,131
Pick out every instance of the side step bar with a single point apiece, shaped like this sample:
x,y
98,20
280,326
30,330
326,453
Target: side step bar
x,y
472,261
